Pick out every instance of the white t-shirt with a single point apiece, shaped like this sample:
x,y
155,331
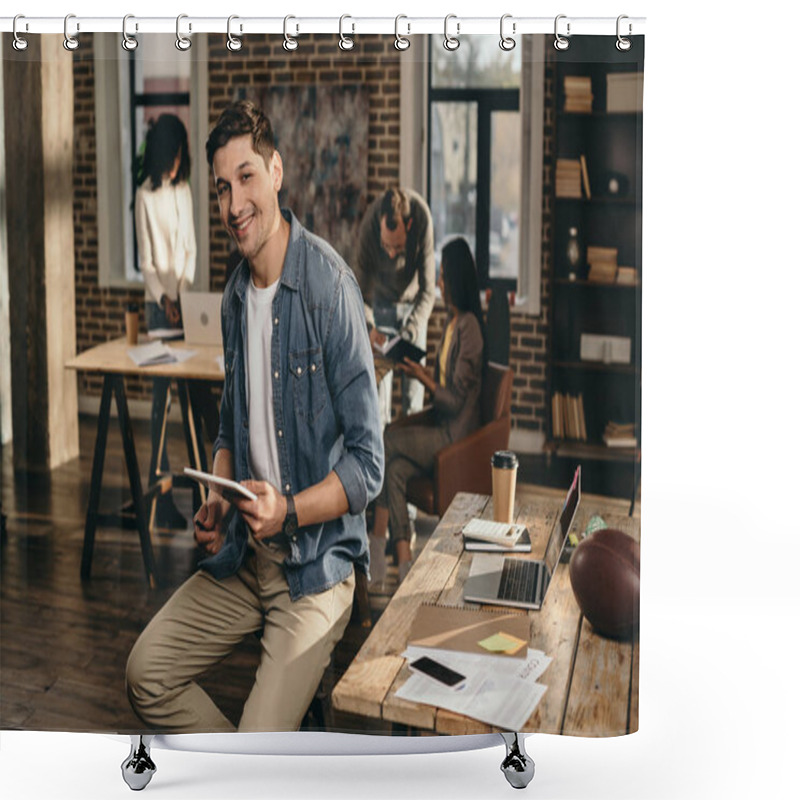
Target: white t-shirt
x,y
262,453
165,235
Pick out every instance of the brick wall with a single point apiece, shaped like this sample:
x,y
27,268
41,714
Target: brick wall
x,y
263,62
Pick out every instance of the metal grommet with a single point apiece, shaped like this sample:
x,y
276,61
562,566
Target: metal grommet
x,y
289,43
70,42
234,44
400,42
182,42
19,43
451,43
506,42
561,43
623,44
129,43
345,42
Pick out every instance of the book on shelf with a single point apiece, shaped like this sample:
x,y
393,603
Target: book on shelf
x,y
568,417
627,275
620,435
585,175
624,93
602,263
568,178
578,97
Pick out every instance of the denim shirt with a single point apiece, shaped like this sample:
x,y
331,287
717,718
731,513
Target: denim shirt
x,y
325,402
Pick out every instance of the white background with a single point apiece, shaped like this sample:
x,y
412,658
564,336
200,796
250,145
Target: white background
x,y
719,696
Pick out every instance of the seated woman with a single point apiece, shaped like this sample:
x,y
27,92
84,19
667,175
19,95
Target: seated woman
x,y
454,388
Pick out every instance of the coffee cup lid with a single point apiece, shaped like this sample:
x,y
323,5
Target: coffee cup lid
x,y
505,459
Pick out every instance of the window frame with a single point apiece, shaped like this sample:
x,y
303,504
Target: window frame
x,y
415,143
114,150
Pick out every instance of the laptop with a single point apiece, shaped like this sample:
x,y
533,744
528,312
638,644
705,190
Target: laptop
x,y
522,583
200,312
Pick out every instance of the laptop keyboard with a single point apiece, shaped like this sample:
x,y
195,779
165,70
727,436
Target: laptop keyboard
x,y
520,580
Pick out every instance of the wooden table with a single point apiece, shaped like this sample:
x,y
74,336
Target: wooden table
x,y
113,362
592,682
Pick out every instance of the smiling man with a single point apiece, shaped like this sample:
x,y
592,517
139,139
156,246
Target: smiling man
x,y
299,427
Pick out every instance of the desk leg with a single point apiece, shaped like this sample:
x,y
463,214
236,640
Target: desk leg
x,y
192,445
97,478
135,480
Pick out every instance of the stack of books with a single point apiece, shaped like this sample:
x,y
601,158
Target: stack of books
x,y
620,435
568,178
627,275
602,264
624,92
569,420
578,95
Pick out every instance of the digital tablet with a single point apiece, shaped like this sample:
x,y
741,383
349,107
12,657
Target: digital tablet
x,y
230,490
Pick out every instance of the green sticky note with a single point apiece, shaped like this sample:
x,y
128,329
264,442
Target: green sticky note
x,y
502,643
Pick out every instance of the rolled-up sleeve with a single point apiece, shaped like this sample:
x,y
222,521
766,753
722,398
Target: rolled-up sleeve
x,y
351,376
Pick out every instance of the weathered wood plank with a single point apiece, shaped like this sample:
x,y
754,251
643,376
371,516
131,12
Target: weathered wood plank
x,y
598,697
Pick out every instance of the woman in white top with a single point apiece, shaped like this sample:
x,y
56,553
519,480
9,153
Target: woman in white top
x,y
167,255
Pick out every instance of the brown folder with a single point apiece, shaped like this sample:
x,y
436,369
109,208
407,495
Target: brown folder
x,y
458,628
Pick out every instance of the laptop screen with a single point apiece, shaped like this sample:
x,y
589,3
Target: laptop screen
x,y
556,542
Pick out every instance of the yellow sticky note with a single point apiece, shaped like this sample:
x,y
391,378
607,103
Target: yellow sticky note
x,y
502,643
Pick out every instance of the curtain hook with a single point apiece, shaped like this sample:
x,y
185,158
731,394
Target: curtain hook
x,y
400,42
289,43
70,42
345,42
561,43
129,43
19,43
623,44
506,42
234,43
451,43
182,42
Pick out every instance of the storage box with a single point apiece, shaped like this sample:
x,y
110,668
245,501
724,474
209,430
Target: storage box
x,y
606,349
624,92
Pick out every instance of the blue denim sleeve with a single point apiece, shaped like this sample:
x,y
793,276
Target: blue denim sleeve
x,y
225,434
350,368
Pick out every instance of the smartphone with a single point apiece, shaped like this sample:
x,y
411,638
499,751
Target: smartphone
x,y
433,669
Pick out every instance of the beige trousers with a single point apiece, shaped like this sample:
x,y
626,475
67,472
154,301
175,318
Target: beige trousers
x,y
202,623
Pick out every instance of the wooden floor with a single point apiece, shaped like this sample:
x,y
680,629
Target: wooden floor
x,y
64,643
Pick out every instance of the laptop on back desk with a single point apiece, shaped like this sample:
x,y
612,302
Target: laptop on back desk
x,y
520,582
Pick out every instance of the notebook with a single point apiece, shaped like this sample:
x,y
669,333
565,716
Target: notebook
x,y
522,583
200,312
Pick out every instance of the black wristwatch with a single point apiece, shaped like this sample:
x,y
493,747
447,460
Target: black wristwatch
x,y
290,521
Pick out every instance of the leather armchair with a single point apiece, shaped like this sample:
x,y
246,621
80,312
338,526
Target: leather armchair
x,y
464,466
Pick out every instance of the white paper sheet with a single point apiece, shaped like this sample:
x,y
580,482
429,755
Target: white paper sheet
x,y
499,690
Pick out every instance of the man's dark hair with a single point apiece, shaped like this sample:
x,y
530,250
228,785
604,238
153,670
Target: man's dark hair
x,y
395,204
166,138
243,118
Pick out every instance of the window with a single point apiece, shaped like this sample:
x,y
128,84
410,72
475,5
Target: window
x,y
155,88
475,154
131,89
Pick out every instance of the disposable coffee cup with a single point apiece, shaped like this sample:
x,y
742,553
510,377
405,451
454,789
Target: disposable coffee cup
x,y
504,484
132,323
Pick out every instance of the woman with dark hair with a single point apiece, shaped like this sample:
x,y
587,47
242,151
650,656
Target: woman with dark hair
x,y
454,387
167,255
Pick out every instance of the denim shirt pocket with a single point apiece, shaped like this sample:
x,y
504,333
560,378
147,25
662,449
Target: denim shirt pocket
x,y
310,391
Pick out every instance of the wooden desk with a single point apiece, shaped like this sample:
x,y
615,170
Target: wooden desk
x,y
592,683
113,362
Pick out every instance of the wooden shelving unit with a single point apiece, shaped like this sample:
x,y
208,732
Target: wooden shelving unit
x,y
611,144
